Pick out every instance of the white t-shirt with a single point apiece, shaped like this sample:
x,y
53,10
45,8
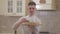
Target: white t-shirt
x,y
33,19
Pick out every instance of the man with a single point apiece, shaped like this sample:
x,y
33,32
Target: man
x,y
31,21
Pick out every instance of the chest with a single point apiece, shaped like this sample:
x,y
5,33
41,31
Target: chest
x,y
32,19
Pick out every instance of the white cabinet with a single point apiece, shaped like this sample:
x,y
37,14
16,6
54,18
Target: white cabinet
x,y
12,7
45,4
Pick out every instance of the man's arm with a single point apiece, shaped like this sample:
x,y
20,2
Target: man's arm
x,y
17,24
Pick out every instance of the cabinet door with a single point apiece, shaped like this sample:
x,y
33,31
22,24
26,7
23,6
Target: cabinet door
x,y
20,7
16,7
12,7
45,4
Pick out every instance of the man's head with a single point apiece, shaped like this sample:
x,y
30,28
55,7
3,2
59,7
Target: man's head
x,y
32,7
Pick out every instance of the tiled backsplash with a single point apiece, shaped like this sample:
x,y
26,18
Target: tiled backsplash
x,y
6,33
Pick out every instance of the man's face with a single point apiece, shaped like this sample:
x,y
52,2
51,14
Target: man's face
x,y
32,8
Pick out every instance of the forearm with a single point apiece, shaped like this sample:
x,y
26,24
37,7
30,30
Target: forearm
x,y
16,25
20,21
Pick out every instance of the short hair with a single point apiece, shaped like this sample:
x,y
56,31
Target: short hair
x,y
31,3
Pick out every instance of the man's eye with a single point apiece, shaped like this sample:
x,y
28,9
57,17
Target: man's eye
x,y
31,8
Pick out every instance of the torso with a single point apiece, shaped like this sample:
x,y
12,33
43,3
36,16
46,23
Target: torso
x,y
31,19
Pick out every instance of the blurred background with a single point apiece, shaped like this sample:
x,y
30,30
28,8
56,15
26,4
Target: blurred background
x,y
12,10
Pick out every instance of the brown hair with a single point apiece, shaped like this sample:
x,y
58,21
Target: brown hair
x,y
31,3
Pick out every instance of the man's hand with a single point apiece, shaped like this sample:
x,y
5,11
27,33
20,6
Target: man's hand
x,y
32,24
24,20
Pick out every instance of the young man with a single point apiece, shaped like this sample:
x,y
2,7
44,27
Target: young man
x,y
31,21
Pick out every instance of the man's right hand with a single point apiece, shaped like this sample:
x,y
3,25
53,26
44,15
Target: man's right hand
x,y
24,20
